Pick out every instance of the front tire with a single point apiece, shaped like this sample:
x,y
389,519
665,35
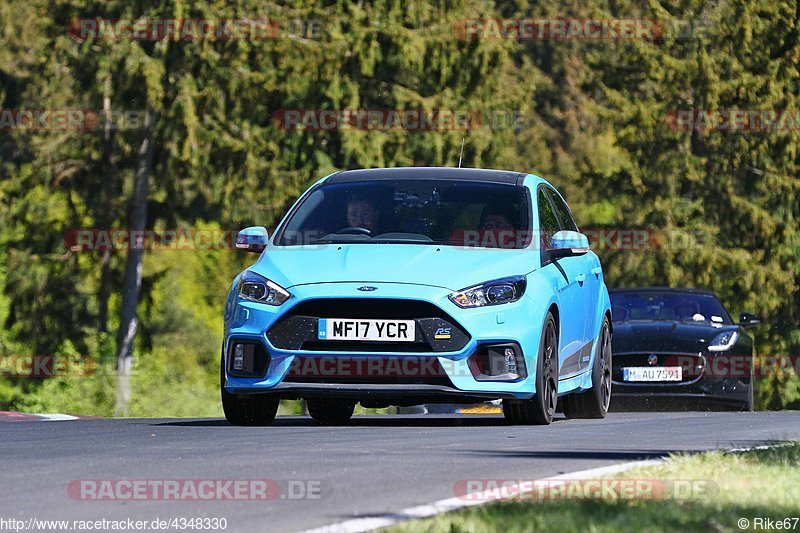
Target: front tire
x,y
748,405
330,411
540,409
246,410
594,402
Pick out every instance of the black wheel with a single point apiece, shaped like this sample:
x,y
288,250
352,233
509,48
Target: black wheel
x,y
540,409
246,410
330,411
749,403
594,402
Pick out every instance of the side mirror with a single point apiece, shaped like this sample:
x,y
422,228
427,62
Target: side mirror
x,y
567,244
749,320
253,239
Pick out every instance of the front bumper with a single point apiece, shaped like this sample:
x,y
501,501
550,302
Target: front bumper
x,y
712,378
473,330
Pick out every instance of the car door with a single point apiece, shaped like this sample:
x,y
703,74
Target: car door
x,y
563,274
588,280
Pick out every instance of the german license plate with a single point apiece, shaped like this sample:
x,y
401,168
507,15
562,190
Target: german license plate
x,y
347,329
652,373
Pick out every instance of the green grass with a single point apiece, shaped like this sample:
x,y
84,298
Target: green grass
x,y
758,483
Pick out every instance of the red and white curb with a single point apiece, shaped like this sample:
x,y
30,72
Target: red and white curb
x,y
11,416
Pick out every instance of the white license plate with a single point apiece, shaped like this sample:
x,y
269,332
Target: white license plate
x,y
351,329
652,373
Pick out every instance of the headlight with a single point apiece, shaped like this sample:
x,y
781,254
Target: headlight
x,y
255,288
723,341
499,291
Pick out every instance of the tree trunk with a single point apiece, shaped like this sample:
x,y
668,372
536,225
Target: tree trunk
x,y
132,282
109,178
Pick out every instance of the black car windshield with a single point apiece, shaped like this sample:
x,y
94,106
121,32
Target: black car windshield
x,y
437,212
673,306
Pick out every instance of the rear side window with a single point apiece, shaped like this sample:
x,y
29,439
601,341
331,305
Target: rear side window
x,y
564,215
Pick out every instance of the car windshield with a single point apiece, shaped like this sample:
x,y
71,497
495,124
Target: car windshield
x,y
437,212
672,306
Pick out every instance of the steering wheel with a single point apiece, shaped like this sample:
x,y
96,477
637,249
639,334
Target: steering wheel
x,y
354,230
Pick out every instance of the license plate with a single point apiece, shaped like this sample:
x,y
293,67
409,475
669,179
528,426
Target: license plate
x,y
652,373
346,329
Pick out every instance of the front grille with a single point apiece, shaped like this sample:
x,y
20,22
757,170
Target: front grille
x,y
367,308
692,365
297,329
367,371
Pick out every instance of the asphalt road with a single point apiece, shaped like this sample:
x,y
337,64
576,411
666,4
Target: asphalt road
x,y
375,466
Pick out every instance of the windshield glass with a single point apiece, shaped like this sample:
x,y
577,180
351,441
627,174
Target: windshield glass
x,y
437,212
668,306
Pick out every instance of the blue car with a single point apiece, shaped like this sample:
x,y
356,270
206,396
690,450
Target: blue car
x,y
407,286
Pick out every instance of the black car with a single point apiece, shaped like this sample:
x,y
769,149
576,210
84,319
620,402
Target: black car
x,y
679,347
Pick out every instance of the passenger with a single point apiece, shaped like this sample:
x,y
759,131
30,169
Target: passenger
x,y
362,214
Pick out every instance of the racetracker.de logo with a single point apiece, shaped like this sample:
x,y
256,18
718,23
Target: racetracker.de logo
x,y
102,240
47,366
579,29
733,120
582,489
87,120
144,29
193,489
397,119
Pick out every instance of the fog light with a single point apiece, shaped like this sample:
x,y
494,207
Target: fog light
x,y
238,357
247,358
511,361
498,362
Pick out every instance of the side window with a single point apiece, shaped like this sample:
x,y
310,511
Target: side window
x,y
548,223
567,222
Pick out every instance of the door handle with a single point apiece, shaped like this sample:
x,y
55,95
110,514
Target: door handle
x,y
580,278
597,271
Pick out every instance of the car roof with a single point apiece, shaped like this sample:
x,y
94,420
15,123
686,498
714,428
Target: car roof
x,y
663,289
428,173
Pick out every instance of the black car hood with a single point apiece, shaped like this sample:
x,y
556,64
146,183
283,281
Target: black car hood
x,y
660,336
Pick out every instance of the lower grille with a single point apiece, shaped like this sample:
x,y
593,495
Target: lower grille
x,y
436,331
367,371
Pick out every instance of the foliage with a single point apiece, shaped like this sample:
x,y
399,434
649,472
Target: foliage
x,y
595,123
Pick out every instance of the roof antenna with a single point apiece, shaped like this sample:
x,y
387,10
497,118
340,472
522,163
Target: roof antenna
x,y
462,152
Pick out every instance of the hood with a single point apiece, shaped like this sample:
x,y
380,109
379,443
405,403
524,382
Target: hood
x,y
661,336
441,266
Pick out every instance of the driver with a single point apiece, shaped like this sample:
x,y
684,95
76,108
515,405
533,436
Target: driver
x,y
497,227
362,214
686,310
496,217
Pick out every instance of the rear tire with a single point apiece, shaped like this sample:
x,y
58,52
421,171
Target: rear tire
x,y
246,410
594,402
330,411
540,409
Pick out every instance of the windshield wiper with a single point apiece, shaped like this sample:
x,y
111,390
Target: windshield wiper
x,y
403,238
343,238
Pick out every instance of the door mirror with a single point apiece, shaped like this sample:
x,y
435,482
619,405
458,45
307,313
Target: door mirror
x,y
749,320
567,244
253,239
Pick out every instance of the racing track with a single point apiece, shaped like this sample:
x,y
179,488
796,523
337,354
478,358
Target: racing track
x,y
375,466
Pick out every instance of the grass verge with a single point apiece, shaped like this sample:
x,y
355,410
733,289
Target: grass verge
x,y
762,483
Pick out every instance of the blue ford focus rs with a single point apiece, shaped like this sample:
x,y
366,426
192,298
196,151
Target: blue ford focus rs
x,y
419,285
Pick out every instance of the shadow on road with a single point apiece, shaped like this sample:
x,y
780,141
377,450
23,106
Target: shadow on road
x,y
368,421
613,455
